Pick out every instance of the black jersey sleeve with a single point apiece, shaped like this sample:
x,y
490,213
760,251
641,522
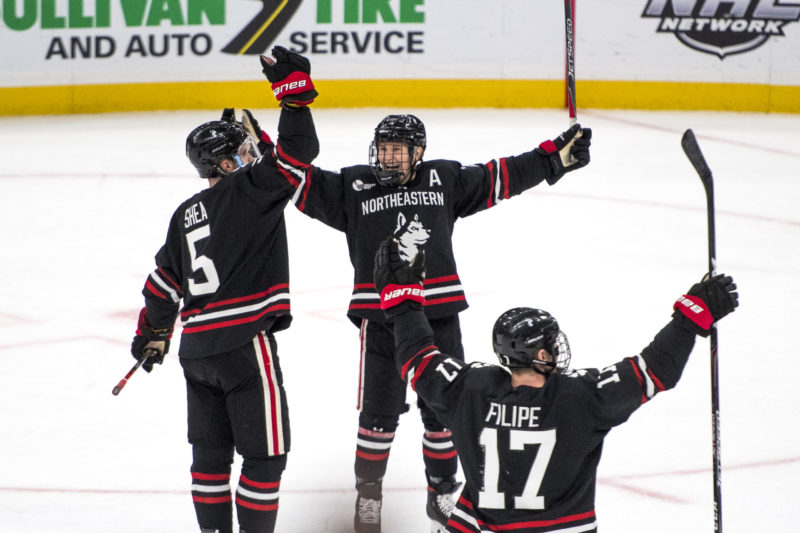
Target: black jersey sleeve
x,y
482,186
436,377
163,288
297,136
618,390
321,196
296,148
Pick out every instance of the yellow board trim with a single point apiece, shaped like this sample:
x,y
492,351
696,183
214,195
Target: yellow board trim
x,y
71,99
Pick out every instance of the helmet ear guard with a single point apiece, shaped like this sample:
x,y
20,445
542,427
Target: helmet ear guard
x,y
405,129
211,143
520,333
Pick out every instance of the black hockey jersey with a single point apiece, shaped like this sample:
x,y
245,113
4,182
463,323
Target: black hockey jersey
x,y
226,254
420,215
530,455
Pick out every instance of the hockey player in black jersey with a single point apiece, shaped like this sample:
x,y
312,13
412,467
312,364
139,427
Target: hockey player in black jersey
x,y
418,202
226,259
529,433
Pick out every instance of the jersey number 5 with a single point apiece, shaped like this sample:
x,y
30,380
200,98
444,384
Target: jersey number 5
x,y
492,498
201,262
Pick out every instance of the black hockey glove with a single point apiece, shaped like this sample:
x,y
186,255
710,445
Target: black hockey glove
x,y
145,334
290,76
706,302
399,283
249,123
569,151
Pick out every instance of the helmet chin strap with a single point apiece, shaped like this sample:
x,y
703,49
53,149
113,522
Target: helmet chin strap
x,y
413,163
402,179
543,368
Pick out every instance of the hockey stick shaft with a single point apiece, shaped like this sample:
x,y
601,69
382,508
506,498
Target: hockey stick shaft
x,y
692,150
149,352
569,26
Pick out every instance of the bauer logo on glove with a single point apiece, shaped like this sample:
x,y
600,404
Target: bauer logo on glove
x,y
398,282
393,294
295,83
289,74
702,317
705,303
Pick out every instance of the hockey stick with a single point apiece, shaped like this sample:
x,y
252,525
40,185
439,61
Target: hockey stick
x,y
148,352
249,127
692,150
569,8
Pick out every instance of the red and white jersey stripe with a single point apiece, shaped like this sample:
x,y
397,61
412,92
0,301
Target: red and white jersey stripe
x,y
236,311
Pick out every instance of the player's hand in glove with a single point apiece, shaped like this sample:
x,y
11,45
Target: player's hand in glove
x,y
706,302
249,123
290,76
567,152
399,283
149,339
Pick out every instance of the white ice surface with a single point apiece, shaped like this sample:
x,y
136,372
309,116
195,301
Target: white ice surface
x,y
84,206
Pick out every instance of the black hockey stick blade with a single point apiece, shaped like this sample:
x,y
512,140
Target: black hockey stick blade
x,y
695,155
692,151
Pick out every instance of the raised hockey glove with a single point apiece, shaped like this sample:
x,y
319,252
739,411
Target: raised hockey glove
x,y
706,302
249,123
290,76
399,283
148,338
567,152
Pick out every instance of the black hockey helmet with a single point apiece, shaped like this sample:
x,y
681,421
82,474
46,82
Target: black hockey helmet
x,y
208,144
407,129
520,333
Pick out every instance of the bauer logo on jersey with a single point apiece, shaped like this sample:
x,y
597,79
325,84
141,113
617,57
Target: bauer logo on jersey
x,y
722,28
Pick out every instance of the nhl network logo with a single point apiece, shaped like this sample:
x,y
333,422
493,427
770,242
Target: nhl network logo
x,y
723,27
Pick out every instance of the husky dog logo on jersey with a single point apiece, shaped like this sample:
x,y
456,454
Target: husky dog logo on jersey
x,y
411,234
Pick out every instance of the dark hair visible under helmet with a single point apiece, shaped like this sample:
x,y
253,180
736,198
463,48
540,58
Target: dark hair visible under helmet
x,y
208,144
520,333
406,129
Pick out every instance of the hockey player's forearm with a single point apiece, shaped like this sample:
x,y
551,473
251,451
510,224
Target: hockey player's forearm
x,y
527,171
297,135
161,314
162,295
668,353
412,334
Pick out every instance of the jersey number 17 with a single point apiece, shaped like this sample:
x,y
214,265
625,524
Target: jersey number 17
x,y
491,497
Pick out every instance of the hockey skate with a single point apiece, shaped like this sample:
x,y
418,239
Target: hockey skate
x,y
368,507
441,502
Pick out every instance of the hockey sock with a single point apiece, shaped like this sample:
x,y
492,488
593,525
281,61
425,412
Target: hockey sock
x,y
211,488
439,454
258,492
372,453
